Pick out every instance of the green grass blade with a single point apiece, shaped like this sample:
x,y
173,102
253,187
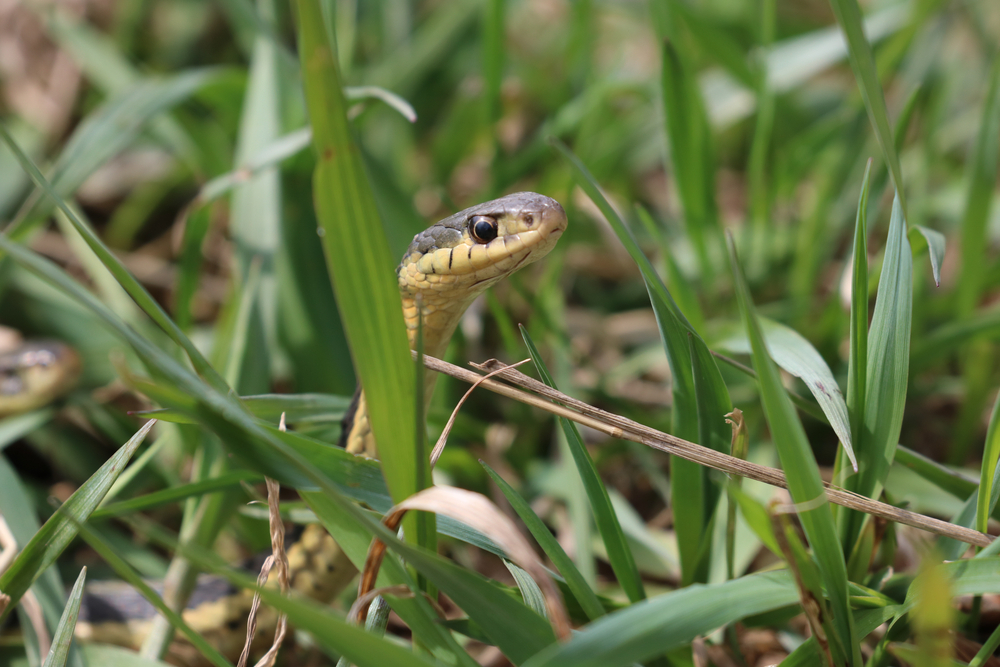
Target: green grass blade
x,y
991,455
111,129
857,364
689,135
680,286
16,427
359,261
952,481
863,63
713,404
689,482
138,293
796,355
935,242
494,50
63,636
888,364
297,408
574,580
177,493
949,337
619,555
53,537
256,216
48,588
865,620
668,621
982,181
804,482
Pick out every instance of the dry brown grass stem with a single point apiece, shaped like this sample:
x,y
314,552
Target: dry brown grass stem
x,y
560,404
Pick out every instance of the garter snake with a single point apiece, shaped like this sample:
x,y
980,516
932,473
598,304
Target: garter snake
x,y
444,269
33,373
451,263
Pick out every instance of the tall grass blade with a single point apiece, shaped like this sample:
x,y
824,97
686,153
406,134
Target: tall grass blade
x,y
256,215
588,600
796,355
991,456
619,555
63,636
689,135
668,621
862,60
857,362
61,528
48,587
111,129
982,182
804,482
887,372
690,483
360,263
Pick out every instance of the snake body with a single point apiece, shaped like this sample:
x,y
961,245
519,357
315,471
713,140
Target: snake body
x,y
444,269
33,374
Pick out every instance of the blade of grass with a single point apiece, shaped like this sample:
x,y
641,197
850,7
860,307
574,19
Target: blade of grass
x,y
862,59
857,363
796,355
991,456
256,217
109,130
689,136
48,588
359,262
53,537
619,555
668,621
887,372
687,298
176,493
588,600
804,482
63,636
982,169
690,484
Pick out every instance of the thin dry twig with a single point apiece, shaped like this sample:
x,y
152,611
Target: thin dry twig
x,y
443,440
626,429
280,558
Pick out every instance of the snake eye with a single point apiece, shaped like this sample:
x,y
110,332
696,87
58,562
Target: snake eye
x,y
483,228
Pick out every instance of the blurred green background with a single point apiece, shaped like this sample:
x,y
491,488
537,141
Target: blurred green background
x,y
177,127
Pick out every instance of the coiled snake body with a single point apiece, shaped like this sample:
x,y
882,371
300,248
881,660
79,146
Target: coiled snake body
x,y
444,269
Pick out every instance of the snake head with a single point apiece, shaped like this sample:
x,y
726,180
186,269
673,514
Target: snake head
x,y
483,243
455,260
